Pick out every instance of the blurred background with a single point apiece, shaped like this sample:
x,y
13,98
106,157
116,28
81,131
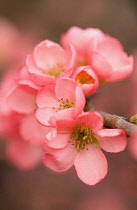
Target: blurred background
x,y
41,189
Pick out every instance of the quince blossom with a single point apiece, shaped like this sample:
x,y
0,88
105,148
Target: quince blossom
x,y
49,61
103,53
63,100
78,142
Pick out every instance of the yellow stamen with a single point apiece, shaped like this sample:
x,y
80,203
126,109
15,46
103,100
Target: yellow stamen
x,y
64,104
84,78
82,136
55,71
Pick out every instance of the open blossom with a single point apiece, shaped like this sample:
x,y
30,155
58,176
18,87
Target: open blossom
x,y
86,78
50,61
63,100
103,53
78,142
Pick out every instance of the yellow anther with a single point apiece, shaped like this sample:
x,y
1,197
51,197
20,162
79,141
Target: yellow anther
x,y
82,136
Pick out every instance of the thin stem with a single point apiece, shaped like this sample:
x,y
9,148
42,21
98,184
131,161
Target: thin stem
x,y
114,121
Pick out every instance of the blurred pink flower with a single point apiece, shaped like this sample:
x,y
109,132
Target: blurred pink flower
x,y
14,45
78,142
18,124
23,154
103,53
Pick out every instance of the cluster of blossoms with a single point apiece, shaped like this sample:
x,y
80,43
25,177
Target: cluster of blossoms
x,y
42,104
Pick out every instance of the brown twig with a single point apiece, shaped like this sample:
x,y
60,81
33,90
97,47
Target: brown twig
x,y
114,121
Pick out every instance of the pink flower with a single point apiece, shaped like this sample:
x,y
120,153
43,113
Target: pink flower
x,y
86,78
63,100
32,131
23,154
77,142
18,124
109,60
80,39
50,61
14,45
103,53
24,136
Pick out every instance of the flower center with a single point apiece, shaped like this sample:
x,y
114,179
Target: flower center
x,y
55,71
64,104
82,136
84,78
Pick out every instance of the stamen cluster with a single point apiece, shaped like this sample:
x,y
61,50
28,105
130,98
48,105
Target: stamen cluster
x,y
81,136
64,104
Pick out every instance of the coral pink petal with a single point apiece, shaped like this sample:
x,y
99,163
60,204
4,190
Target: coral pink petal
x,y
22,155
43,115
79,101
122,72
112,49
46,97
79,38
37,74
30,83
109,45
22,99
59,141
75,37
65,88
100,65
23,73
48,54
112,140
92,120
71,56
60,159
32,131
65,126
91,165
61,115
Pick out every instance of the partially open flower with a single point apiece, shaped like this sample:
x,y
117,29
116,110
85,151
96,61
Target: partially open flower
x,y
86,78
